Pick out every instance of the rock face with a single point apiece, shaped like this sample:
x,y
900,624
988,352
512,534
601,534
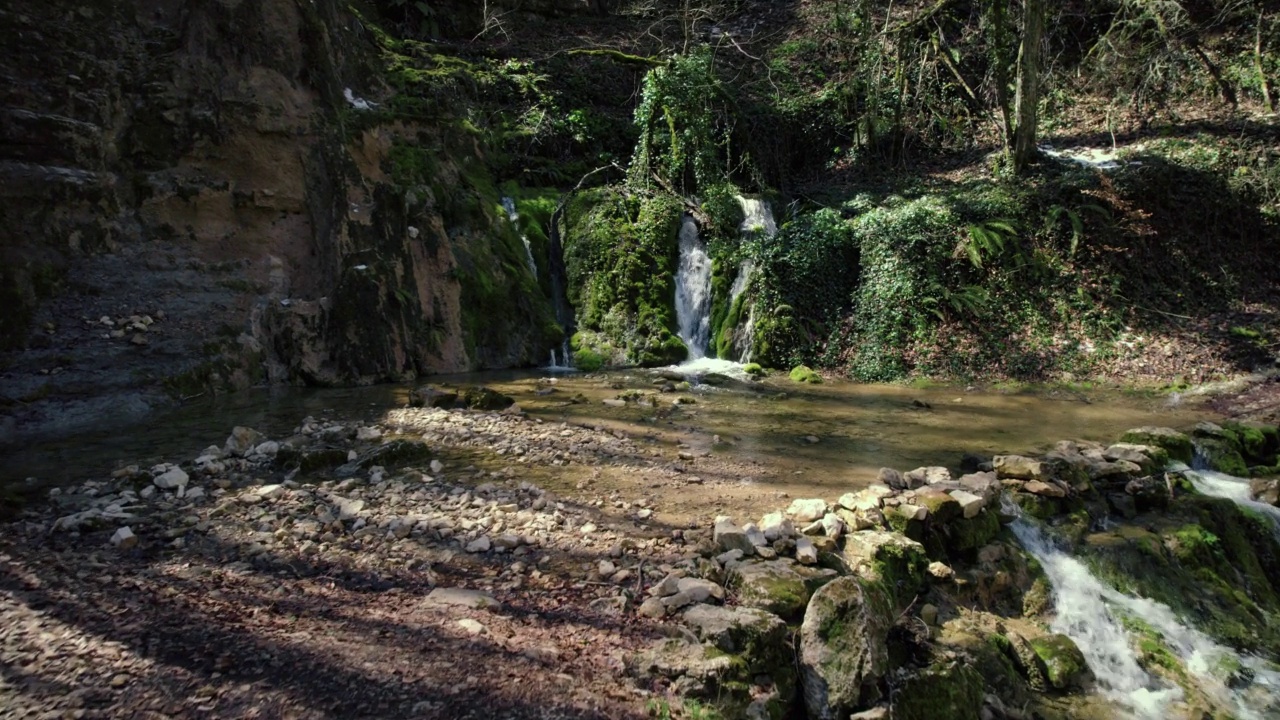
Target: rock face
x,y
843,647
247,154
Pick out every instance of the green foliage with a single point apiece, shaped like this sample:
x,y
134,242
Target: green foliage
x,y
681,119
588,360
620,256
987,240
809,273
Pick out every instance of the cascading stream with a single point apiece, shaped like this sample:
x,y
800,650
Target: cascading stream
x,y
1216,484
1090,612
693,291
509,204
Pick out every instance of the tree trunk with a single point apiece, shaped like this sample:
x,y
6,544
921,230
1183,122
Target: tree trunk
x,y
1027,101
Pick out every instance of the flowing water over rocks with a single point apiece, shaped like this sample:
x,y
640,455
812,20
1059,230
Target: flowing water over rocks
x,y
693,291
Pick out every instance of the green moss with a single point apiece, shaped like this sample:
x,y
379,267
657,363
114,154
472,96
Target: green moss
x,y
620,255
1177,444
753,369
588,360
953,691
1063,663
802,374
972,533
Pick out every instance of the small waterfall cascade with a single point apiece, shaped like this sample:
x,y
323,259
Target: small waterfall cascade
x,y
509,204
757,221
1222,485
693,291
559,294
1091,612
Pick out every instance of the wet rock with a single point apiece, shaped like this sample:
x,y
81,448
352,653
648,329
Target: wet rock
x,y
807,510
1222,455
1148,493
1265,491
1063,663
843,647
1123,505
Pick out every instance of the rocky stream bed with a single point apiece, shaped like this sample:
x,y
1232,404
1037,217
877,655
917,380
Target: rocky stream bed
x,y
421,567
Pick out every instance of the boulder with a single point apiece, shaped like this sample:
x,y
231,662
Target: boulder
x,y
843,647
428,396
896,561
970,504
1045,489
171,479
728,536
1177,444
738,630
891,478
1062,662
941,506
776,526
806,553
1222,455
951,690
483,398
1151,458
983,484
1148,493
806,510
777,586
1265,491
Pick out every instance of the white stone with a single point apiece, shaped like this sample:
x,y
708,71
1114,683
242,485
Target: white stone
x,y
171,479
472,627
775,526
699,590
271,492
971,504
806,510
832,526
269,448
728,536
479,545
755,535
368,434
124,539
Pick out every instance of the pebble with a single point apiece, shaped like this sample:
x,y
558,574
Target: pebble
x,y
124,539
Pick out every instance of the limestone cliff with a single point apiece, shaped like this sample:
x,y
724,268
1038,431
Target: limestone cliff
x,y
198,195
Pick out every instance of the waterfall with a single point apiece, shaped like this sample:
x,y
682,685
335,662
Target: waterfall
x,y
559,289
1216,484
693,291
509,204
1089,612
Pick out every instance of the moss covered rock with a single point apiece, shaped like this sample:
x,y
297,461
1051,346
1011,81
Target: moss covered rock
x,y
777,586
483,398
894,560
843,647
1177,444
1223,455
1063,663
803,374
951,690
964,534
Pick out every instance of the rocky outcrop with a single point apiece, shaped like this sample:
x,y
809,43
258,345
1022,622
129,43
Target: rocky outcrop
x,y
242,175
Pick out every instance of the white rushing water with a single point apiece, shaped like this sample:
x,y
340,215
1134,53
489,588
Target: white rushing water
x,y
509,204
1089,612
693,291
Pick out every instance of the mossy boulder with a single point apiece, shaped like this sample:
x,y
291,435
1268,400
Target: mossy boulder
x,y
483,398
844,649
737,648
428,396
1222,455
753,369
1037,506
891,559
588,360
803,374
965,534
1063,664
951,690
1177,444
777,586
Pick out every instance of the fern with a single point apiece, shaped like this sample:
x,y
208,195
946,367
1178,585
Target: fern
x,y
987,240
1057,212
